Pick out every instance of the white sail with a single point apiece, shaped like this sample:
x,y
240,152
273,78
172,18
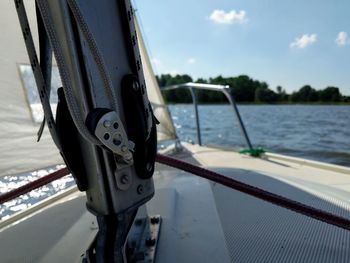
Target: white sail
x,y
19,151
166,129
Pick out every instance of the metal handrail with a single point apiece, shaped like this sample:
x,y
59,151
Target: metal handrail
x,y
225,89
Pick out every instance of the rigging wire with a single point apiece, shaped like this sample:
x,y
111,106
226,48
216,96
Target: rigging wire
x,y
259,193
33,185
37,71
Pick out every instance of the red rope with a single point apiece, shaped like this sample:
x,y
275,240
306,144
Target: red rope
x,y
257,192
212,176
33,185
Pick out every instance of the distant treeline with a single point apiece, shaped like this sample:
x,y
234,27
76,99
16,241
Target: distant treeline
x,y
247,90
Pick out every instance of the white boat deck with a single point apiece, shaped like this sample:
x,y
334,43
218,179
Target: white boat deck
x,y
206,222
256,231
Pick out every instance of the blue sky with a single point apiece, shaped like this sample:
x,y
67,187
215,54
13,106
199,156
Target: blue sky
x,y
287,43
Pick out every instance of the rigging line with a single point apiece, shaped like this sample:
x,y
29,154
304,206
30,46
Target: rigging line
x,y
37,71
101,65
257,192
261,194
45,52
33,185
72,103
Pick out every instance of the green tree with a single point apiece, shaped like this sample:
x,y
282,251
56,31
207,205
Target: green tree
x,y
330,94
279,89
245,89
178,95
201,80
305,94
264,94
282,96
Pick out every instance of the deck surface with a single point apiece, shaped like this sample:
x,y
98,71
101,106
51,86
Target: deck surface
x,y
206,222
257,231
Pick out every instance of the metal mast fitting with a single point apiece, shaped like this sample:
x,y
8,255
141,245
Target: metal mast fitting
x,y
104,126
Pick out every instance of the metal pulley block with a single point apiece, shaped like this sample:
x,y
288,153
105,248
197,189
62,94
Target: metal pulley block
x,y
108,128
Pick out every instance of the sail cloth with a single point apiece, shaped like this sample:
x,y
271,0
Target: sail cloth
x,y
166,129
19,151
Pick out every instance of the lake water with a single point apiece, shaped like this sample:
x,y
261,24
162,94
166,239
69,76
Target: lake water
x,y
314,132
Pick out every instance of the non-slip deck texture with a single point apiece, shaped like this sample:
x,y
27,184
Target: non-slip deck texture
x,y
257,231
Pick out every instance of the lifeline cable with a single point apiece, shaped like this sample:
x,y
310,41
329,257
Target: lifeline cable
x,y
214,177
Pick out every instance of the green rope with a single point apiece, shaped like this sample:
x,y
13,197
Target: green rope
x,y
255,152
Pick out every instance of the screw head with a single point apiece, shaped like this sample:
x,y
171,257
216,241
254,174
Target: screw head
x,y
135,85
140,189
149,166
124,148
124,179
107,124
128,158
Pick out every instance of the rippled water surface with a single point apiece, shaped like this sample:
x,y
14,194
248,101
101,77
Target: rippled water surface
x,y
314,132
9,183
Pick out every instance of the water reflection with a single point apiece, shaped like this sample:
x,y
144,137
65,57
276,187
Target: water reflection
x,y
9,183
313,132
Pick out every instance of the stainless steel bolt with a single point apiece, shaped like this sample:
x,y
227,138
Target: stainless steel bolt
x,y
124,148
135,85
124,179
107,124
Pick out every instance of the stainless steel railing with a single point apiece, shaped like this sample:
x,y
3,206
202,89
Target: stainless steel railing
x,y
225,89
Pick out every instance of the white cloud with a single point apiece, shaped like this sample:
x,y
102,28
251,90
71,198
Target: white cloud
x,y
221,17
156,61
342,39
191,60
304,41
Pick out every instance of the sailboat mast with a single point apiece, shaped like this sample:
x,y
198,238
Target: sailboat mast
x,y
104,127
